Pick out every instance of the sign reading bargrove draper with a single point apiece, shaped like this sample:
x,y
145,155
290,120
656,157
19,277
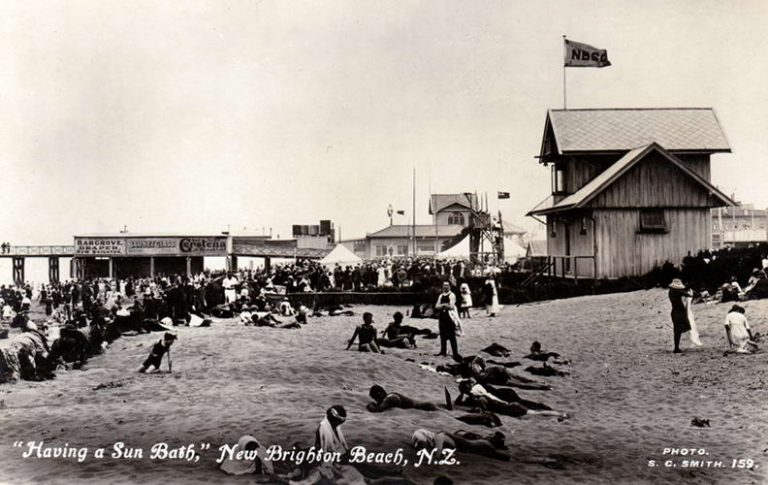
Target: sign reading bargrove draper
x,y
93,246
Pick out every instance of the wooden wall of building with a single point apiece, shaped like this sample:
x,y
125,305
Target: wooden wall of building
x,y
580,170
654,182
624,251
578,244
698,162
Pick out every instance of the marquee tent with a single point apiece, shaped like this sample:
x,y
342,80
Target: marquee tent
x,y
340,255
512,250
458,251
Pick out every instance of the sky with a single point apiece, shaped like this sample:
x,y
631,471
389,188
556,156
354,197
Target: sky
x,y
197,116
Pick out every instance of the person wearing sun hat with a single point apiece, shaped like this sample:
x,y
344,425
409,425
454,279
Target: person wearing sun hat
x,y
679,296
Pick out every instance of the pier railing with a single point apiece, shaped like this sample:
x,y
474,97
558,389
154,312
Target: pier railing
x,y
17,251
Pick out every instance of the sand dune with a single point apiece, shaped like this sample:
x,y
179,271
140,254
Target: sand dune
x,y
628,395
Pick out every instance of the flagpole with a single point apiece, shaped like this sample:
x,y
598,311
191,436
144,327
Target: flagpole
x,y
564,93
414,211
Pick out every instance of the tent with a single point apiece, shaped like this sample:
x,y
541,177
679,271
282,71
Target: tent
x,y
340,255
512,250
458,251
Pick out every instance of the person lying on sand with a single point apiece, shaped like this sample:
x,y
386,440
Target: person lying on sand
x,y
505,394
475,367
393,335
461,441
545,370
367,334
496,350
540,355
475,395
257,466
738,332
384,400
158,351
483,418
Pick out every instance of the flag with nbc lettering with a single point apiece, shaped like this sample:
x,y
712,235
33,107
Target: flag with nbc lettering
x,y
583,55
503,195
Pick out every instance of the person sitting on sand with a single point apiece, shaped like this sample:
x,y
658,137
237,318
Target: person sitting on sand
x,y
393,336
384,400
367,334
474,394
158,351
461,441
738,332
257,466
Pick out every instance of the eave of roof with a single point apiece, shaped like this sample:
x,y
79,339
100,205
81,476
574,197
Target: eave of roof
x,y
595,186
713,141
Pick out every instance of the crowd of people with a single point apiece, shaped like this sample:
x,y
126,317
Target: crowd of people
x,y
406,273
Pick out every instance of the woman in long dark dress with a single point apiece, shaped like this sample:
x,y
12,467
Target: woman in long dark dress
x,y
678,294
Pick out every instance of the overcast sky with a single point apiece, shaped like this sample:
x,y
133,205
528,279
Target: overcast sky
x,y
189,116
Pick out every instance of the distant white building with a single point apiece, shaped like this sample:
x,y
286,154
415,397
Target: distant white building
x,y
739,226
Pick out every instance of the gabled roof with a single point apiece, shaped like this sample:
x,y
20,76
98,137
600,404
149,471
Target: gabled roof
x,y
438,202
537,248
422,230
618,130
595,186
513,230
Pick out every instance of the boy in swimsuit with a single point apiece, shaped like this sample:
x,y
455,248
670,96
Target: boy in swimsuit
x,y
158,351
367,334
394,335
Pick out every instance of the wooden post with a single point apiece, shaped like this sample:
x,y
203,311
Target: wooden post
x,y
111,268
53,269
189,267
18,270
576,269
151,266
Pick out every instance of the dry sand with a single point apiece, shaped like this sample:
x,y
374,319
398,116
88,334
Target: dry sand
x,y
628,395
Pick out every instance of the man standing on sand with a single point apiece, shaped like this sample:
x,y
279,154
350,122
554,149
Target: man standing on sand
x,y
446,307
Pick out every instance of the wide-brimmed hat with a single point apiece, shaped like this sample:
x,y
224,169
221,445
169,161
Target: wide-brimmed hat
x,y
677,284
737,308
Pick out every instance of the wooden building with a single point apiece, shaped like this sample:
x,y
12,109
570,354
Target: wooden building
x,y
630,188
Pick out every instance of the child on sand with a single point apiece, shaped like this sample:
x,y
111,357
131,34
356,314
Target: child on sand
x,y
738,332
367,334
155,358
465,301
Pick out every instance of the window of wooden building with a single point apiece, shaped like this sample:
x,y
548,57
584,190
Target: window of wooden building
x,y
456,218
652,220
558,179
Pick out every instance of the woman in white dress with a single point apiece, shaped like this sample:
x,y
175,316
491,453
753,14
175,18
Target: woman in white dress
x,y
491,297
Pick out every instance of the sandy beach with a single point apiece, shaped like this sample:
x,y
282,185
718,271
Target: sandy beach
x,y
628,395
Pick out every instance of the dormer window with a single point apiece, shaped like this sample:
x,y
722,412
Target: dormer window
x,y
456,218
558,178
